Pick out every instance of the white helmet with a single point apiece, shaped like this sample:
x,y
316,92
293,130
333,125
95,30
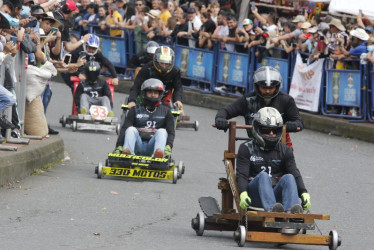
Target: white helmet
x,y
266,120
267,77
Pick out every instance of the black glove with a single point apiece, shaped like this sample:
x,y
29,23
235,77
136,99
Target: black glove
x,y
222,124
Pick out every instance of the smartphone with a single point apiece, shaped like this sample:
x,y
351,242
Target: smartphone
x,y
53,30
253,5
67,59
82,54
13,39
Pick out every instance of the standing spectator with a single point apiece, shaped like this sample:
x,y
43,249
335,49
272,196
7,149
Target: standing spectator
x,y
165,13
180,30
100,21
298,21
194,24
113,20
338,36
359,38
214,7
222,29
206,31
120,7
231,37
242,9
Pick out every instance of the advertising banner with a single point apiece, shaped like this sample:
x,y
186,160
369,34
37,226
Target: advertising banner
x,y
343,87
306,84
194,63
232,69
115,51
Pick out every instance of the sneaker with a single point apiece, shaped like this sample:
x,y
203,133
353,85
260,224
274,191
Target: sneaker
x,y
83,110
296,209
127,78
126,151
110,114
277,208
5,124
2,140
221,90
158,153
52,131
15,133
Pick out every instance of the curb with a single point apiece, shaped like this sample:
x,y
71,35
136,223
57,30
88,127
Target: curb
x,y
332,126
20,164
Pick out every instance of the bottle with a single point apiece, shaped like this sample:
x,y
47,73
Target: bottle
x,y
226,66
184,62
335,87
350,80
264,62
238,62
277,66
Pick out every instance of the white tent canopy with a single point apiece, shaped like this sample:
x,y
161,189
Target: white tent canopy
x,y
352,7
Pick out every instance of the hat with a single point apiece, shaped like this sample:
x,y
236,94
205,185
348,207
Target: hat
x,y
298,18
4,23
369,29
306,25
191,10
312,29
323,26
71,5
153,13
360,34
49,16
247,22
337,23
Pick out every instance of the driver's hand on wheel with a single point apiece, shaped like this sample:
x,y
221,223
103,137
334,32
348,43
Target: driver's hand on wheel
x,y
115,81
178,104
245,201
222,124
131,104
305,201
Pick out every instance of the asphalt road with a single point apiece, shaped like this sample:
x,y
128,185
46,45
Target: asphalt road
x,y
67,207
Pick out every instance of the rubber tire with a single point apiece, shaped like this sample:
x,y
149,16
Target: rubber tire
x,y
175,175
74,126
118,128
63,121
99,170
201,218
242,236
180,169
196,125
334,240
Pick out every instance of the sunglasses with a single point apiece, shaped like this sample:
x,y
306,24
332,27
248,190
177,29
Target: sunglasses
x,y
268,130
139,4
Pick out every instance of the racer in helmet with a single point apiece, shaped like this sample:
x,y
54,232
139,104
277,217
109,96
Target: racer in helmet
x,y
89,50
149,127
267,81
93,91
266,171
142,58
162,67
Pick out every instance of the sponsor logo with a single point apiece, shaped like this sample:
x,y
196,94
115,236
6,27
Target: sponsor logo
x,y
140,173
256,158
138,157
139,116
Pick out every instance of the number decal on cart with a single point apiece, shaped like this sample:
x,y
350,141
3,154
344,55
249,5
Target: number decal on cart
x,y
98,112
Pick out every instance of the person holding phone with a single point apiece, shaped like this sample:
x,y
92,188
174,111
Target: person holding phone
x,y
113,19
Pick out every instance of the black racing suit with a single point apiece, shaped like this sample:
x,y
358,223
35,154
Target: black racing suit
x,y
171,81
97,89
277,162
139,117
139,60
248,105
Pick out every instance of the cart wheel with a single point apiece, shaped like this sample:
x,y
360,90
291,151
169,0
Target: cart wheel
x,y
99,170
180,169
118,128
196,125
107,162
74,126
198,223
239,236
183,169
175,175
335,240
63,121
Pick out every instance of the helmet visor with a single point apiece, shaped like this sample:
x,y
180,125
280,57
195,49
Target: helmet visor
x,y
267,130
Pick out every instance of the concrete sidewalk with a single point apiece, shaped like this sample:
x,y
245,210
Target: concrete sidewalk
x,y
321,123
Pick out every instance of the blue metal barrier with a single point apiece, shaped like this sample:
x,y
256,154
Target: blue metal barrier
x,y
233,69
344,92
194,65
283,65
370,92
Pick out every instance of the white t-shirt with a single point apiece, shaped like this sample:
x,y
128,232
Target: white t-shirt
x,y
196,24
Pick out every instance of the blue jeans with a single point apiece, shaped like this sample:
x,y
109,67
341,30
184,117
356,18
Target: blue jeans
x,y
134,142
264,195
7,99
46,97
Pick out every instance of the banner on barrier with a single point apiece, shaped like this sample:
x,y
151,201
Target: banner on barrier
x,y
115,51
306,84
343,87
194,63
232,69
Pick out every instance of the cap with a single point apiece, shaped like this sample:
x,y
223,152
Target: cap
x,y
71,5
298,18
153,13
369,29
247,22
191,10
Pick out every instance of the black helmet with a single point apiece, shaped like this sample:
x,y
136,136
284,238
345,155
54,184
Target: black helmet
x,y
151,47
267,77
92,71
166,55
152,84
267,119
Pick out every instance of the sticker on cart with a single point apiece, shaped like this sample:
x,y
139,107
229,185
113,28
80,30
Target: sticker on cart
x,y
98,112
